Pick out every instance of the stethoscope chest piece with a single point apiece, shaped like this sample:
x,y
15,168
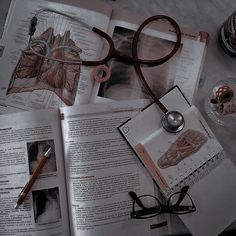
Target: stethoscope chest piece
x,y
173,121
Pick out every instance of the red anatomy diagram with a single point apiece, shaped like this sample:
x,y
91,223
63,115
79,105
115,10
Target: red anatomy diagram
x,y
34,72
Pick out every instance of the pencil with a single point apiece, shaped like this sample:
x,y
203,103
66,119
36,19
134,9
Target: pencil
x,y
34,176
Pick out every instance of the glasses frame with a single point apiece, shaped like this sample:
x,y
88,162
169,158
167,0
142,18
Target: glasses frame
x,y
140,214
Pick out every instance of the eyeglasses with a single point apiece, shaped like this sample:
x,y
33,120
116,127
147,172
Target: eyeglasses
x,y
147,206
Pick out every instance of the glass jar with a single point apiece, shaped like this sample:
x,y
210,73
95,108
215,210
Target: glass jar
x,y
220,104
227,35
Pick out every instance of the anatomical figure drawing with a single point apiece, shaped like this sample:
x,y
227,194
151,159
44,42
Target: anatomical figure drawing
x,y
187,143
34,72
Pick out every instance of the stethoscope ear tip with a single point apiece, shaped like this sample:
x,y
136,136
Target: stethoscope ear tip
x,y
173,121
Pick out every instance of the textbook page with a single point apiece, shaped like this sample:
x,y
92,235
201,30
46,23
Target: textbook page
x,y
157,41
101,169
29,81
23,137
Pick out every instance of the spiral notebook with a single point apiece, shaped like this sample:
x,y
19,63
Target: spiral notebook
x,y
173,159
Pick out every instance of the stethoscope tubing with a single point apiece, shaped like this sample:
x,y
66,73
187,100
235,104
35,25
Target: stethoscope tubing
x,y
113,53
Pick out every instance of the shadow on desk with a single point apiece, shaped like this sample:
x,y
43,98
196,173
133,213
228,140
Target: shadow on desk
x,y
228,233
224,233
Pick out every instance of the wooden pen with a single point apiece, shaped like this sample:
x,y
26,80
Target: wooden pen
x,y
34,176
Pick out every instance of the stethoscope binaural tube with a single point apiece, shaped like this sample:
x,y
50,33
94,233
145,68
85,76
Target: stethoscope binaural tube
x,y
112,52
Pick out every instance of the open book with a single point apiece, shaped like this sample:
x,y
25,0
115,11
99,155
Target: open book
x,y
26,80
83,188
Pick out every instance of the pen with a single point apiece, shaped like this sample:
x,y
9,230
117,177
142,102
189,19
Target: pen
x,y
34,176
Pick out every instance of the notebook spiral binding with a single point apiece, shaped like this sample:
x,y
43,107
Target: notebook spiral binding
x,y
200,172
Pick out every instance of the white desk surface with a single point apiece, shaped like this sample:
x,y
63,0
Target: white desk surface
x,y
200,15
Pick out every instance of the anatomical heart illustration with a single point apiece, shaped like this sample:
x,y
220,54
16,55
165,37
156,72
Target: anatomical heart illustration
x,y
34,72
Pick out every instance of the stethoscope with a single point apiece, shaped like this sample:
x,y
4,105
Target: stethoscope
x,y
172,121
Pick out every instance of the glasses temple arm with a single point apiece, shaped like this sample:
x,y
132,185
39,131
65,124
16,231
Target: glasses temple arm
x,y
147,211
183,193
135,198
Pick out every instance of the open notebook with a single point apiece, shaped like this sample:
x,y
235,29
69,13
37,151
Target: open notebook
x,y
173,159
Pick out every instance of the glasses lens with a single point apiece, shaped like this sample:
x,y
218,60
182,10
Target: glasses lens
x,y
147,206
185,206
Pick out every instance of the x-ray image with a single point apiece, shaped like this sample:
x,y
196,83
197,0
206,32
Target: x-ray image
x,y
36,150
46,204
124,83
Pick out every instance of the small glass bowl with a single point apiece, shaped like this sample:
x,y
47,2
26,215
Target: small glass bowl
x,y
220,104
